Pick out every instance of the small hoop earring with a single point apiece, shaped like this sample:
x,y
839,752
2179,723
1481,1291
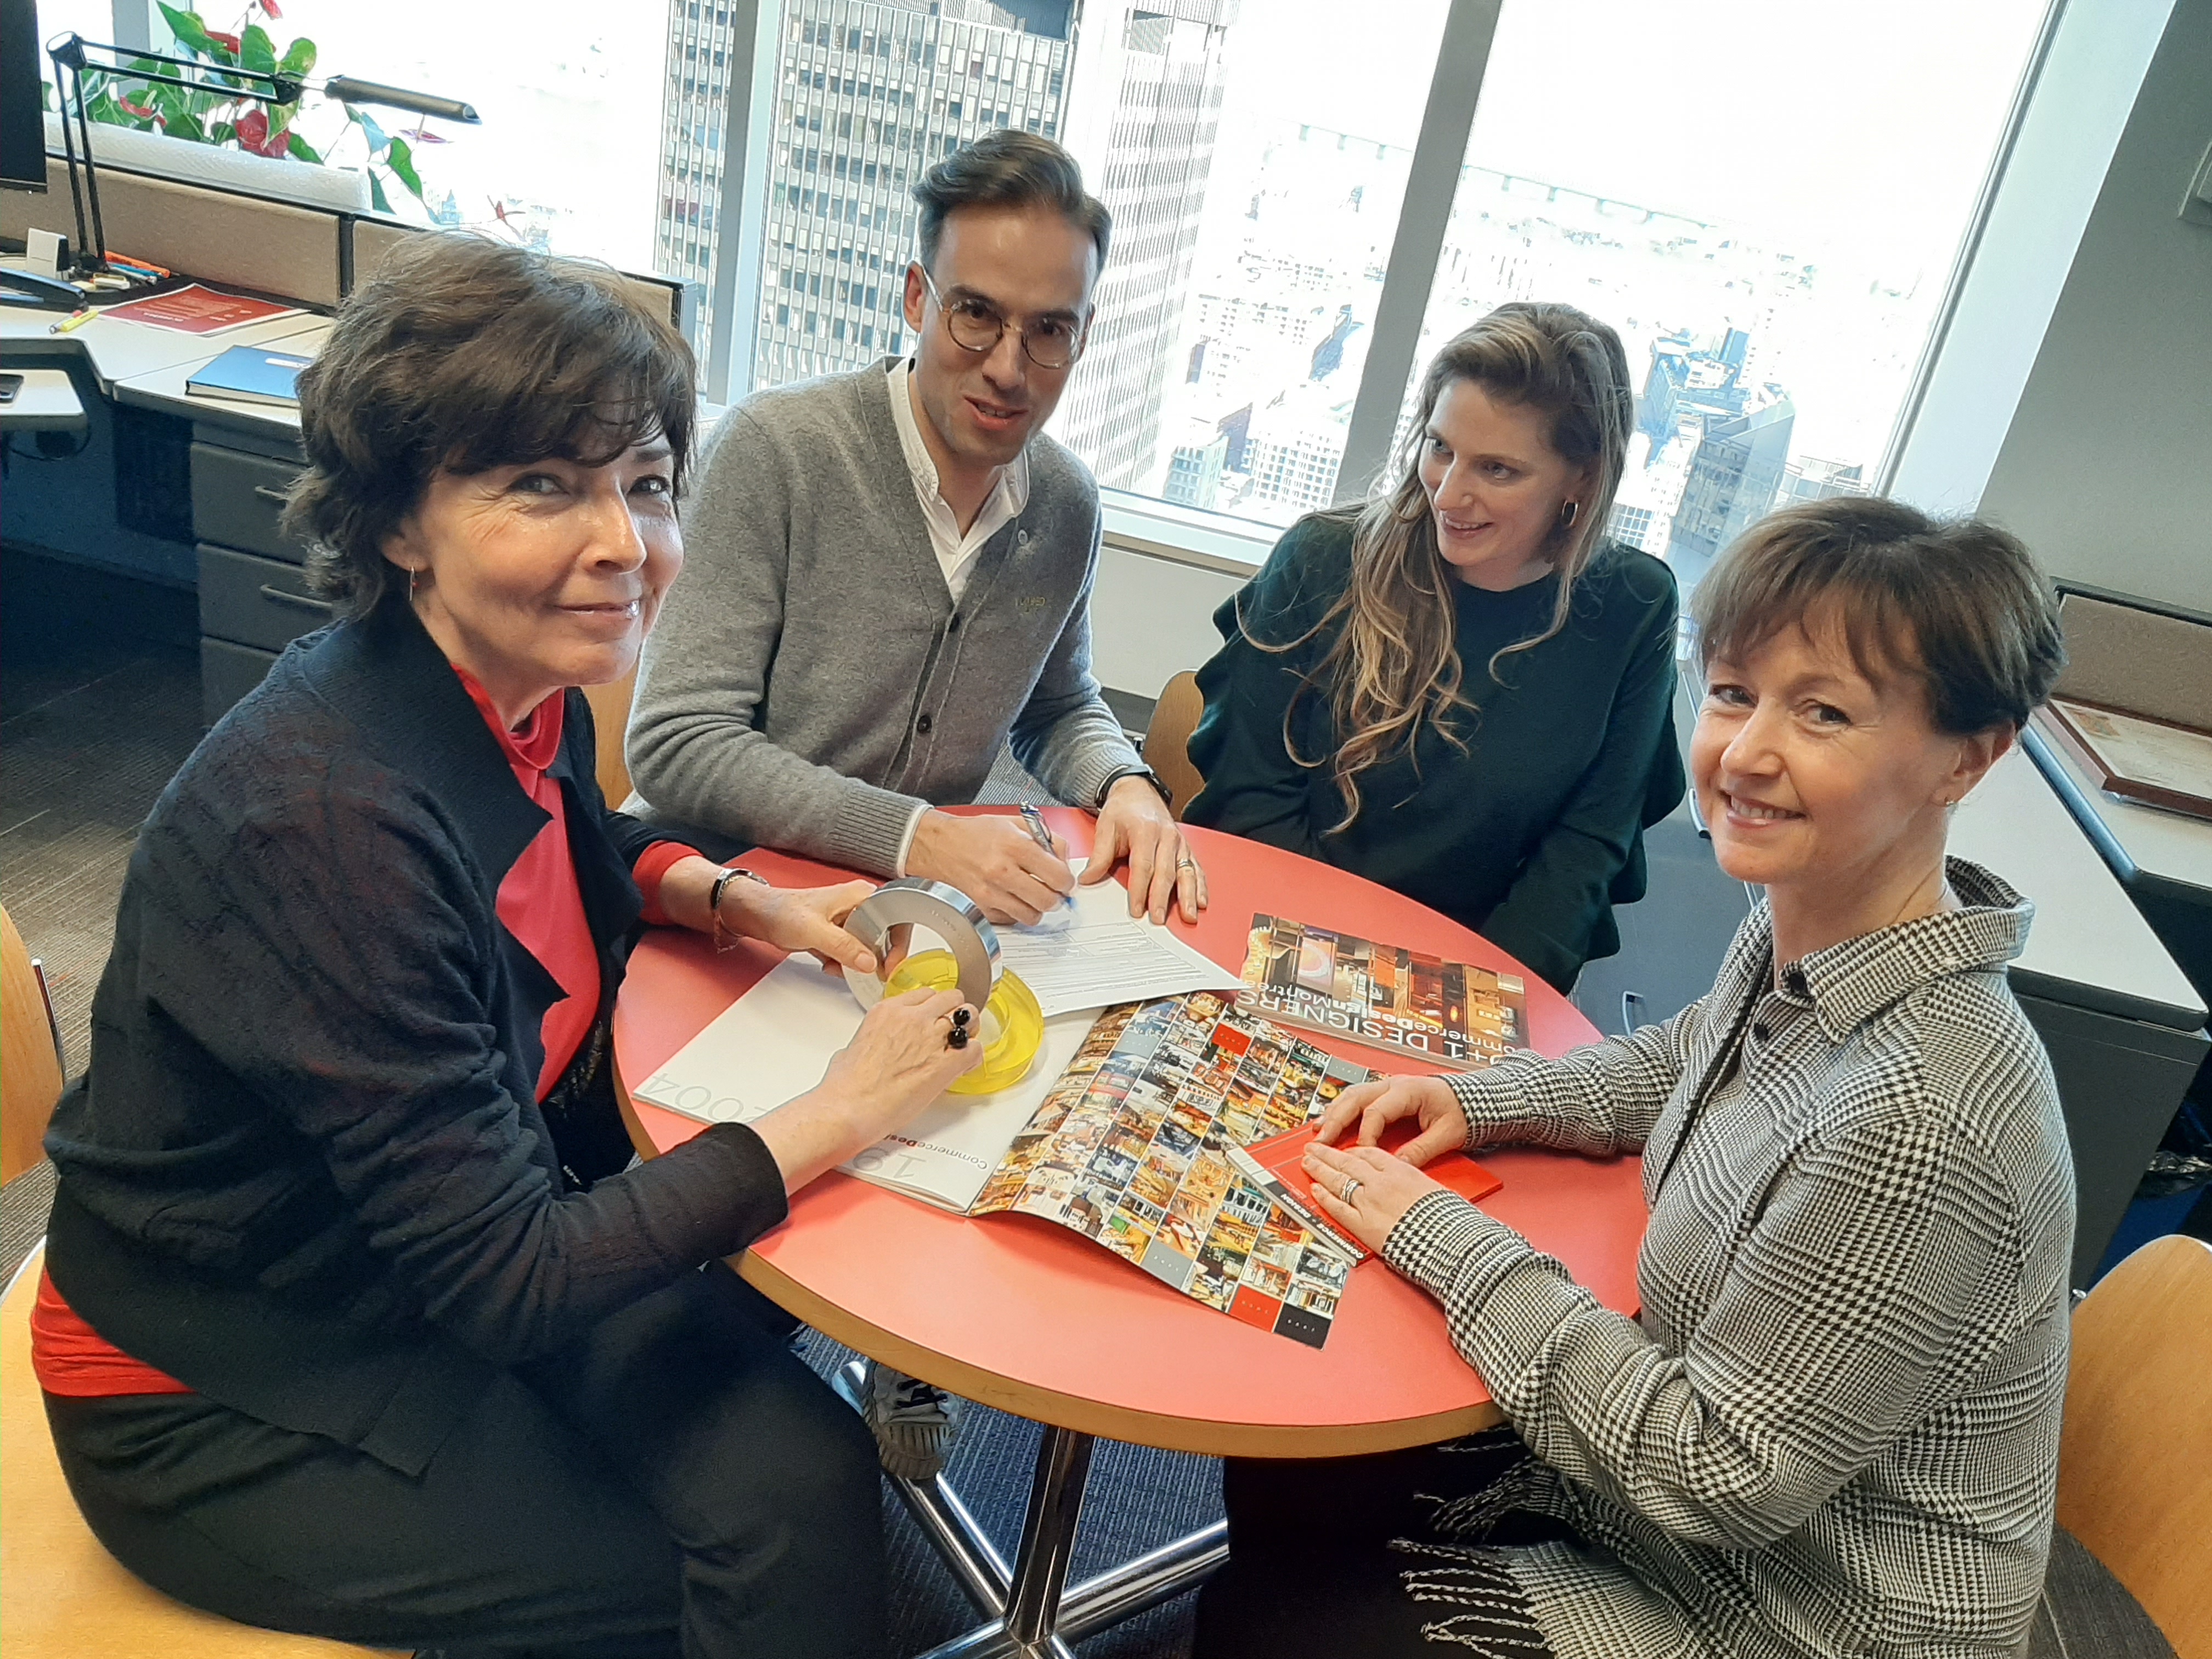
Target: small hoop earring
x,y
1567,514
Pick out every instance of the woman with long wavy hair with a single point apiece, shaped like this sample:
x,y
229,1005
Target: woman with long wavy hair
x,y
1460,689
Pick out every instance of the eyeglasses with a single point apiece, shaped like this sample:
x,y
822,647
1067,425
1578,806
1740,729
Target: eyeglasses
x,y
976,325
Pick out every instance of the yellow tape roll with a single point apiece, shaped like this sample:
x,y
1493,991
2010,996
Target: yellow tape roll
x,y
1014,1025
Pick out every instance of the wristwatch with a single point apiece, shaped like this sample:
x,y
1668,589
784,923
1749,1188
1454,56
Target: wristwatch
x,y
1167,795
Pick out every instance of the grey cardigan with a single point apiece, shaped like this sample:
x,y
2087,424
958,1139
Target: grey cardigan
x,y
1834,1428
809,683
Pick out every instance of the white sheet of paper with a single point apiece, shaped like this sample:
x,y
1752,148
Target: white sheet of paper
x,y
1092,952
773,1043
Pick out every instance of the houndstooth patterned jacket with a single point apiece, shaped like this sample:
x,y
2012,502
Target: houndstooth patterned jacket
x,y
1833,1430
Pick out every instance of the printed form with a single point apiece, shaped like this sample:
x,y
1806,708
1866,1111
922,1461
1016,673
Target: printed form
x,y
1092,953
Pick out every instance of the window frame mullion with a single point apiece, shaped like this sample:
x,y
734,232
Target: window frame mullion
x,y
755,55
1431,186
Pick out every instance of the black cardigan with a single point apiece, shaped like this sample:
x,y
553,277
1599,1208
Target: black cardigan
x,y
305,1174
1532,832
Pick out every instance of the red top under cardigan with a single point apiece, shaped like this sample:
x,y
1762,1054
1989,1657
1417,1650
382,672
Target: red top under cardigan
x,y
539,903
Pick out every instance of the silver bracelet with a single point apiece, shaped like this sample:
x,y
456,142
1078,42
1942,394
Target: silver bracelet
x,y
723,942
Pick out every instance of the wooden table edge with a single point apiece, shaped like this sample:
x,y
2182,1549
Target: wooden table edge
x,y
1202,1436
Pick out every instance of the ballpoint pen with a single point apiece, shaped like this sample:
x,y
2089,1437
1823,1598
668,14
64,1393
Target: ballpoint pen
x,y
1042,835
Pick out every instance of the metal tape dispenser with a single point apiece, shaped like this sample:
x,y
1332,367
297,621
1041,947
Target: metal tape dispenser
x,y
970,962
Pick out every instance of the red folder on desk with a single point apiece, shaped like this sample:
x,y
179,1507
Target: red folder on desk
x,y
1277,1167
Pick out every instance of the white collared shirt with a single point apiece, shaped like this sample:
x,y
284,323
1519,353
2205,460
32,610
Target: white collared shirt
x,y
956,553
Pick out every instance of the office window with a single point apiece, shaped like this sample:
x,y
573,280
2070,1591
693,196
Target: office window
x,y
1248,238
1256,162
1766,202
561,160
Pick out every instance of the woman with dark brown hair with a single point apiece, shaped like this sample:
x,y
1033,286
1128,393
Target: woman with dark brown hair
x,y
358,1321
1461,689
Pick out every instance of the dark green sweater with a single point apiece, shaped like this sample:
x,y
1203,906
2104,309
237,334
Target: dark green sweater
x,y
1531,835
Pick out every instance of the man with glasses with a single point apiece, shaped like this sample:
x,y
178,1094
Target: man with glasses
x,y
890,580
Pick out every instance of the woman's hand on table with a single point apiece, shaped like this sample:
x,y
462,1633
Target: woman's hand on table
x,y
897,1062
1376,1106
1382,1188
808,919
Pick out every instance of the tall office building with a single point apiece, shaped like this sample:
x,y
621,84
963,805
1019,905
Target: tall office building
x,y
1143,119
869,95
1733,479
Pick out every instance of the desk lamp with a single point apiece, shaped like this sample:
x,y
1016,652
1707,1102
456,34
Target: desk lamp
x,y
89,257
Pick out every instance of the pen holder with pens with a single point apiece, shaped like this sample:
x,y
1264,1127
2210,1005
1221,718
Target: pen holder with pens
x,y
1012,1023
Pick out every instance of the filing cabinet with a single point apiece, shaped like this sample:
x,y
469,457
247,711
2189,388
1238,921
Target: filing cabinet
x,y
254,598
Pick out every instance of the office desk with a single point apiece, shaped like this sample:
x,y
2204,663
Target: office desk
x,y
221,481
163,389
2121,1023
116,350
45,402
2163,858
1030,1318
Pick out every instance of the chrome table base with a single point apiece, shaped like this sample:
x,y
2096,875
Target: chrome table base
x,y
1032,1611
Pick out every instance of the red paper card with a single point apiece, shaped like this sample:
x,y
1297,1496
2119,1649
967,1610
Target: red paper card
x,y
197,310
1277,1167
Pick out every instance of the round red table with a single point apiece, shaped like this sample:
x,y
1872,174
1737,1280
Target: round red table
x,y
1030,1318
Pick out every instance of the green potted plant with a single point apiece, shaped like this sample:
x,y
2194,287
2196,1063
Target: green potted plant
x,y
208,117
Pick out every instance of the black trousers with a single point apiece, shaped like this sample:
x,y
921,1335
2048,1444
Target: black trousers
x,y
1329,1556
678,1483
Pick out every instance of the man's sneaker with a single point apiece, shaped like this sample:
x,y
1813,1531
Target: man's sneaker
x,y
914,1423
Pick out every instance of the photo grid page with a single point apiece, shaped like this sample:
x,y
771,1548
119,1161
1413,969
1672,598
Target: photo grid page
x,y
1130,1149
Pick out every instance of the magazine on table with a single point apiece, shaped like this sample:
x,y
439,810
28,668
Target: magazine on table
x,y
1121,1132
1385,996
1131,1148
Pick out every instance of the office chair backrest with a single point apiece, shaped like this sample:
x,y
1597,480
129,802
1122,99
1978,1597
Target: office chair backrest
x,y
1167,738
30,1067
2135,1461
610,715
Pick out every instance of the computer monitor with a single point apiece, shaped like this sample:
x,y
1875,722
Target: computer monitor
x,y
22,125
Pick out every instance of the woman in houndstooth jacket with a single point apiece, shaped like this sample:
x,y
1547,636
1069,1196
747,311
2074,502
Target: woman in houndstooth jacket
x,y
1833,1428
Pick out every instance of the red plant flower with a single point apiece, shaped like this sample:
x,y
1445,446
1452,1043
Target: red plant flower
x,y
269,8
138,110
253,133
229,42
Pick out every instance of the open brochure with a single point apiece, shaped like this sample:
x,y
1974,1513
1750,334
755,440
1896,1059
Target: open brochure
x,y
1452,1013
1131,1148
1121,1132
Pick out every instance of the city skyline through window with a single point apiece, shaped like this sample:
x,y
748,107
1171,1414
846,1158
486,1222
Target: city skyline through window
x,y
1766,202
